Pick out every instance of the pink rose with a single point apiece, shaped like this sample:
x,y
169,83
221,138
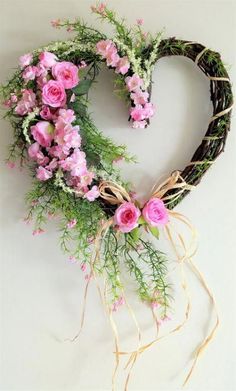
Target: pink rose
x,y
133,82
43,174
123,65
45,113
66,73
27,102
53,94
155,213
92,194
126,217
25,60
47,59
43,133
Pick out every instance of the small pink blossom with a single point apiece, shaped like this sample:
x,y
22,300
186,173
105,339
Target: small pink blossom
x,y
71,224
43,174
140,22
155,305
126,217
38,232
27,102
118,303
43,133
104,46
137,113
123,65
92,194
53,94
155,213
83,266
88,277
139,124
66,73
47,59
139,97
13,98
57,151
72,259
83,64
25,60
33,150
133,82
10,164
55,23
52,165
149,110
29,73
112,57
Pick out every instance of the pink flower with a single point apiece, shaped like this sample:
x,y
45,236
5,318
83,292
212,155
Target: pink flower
x,y
25,60
55,23
112,57
66,73
46,114
13,98
137,113
27,102
71,224
57,151
10,164
83,267
29,73
126,217
66,116
123,65
139,22
155,213
47,59
76,163
92,194
38,232
43,133
53,94
43,174
139,97
149,110
82,64
139,124
33,151
52,165
133,82
103,47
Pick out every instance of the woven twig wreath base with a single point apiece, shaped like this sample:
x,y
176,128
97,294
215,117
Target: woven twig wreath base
x,y
214,140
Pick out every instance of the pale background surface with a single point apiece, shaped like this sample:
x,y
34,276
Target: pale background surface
x,y
41,292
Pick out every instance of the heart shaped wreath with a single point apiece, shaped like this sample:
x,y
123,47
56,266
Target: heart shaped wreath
x,y
72,162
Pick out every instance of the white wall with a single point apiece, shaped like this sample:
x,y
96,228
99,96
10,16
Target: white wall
x,y
41,292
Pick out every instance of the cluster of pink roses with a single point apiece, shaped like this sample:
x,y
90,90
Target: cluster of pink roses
x,y
56,140
142,109
154,212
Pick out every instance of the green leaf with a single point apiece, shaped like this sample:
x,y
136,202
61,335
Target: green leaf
x,y
141,221
154,231
135,234
82,88
79,108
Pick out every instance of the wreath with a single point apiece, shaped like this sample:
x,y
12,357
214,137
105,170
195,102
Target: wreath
x,y
103,224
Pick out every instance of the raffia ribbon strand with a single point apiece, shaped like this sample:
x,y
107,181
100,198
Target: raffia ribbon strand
x,y
114,193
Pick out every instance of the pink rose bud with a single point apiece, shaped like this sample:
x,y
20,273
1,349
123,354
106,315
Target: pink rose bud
x,y
53,94
43,133
47,59
126,217
155,213
66,73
